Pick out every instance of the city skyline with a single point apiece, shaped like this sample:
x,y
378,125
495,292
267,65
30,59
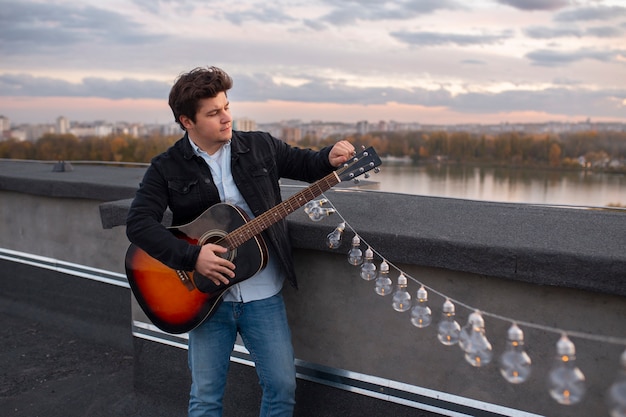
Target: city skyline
x,y
430,62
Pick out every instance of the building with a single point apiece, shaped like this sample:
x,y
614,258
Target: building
x,y
5,124
245,125
291,134
63,125
362,127
98,129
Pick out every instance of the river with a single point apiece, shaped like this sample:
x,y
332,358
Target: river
x,y
514,185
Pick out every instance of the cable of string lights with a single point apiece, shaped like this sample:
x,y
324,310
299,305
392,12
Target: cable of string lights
x,y
566,382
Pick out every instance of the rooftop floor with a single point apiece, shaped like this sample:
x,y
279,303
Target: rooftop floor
x,y
50,371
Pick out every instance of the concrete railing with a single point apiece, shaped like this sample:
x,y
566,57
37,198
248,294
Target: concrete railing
x,y
556,268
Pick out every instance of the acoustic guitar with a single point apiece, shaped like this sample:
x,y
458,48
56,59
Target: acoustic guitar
x,y
178,301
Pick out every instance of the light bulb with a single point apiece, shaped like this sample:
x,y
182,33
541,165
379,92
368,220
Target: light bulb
x,y
566,382
368,269
472,340
464,334
515,362
314,204
383,282
616,397
355,256
421,316
401,297
316,211
448,329
333,240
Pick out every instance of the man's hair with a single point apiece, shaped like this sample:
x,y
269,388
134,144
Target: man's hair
x,y
195,85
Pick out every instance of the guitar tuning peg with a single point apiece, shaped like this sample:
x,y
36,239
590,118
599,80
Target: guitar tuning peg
x,y
367,175
376,170
356,180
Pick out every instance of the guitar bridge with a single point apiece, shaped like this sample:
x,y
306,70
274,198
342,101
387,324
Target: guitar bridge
x,y
184,278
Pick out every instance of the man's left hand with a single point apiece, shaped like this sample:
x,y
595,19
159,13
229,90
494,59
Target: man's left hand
x,y
340,153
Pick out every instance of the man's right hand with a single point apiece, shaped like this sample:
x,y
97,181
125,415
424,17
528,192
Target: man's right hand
x,y
213,266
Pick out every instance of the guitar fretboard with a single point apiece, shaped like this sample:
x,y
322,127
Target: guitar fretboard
x,y
257,225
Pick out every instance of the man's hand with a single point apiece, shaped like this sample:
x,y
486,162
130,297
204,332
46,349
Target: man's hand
x,y
213,266
340,153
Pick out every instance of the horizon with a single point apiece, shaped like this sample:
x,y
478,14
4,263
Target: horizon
x,y
52,120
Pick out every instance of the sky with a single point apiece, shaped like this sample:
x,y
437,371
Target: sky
x,y
424,61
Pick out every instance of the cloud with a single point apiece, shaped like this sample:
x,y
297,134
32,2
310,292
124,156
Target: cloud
x,y
30,86
544,32
591,13
316,25
260,87
254,88
345,12
438,39
549,58
267,14
562,99
565,81
605,32
557,100
28,26
531,5
473,62
184,6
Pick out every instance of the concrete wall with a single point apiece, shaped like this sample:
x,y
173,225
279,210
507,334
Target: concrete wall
x,y
503,259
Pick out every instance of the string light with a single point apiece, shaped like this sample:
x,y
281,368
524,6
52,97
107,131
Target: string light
x,y
384,284
401,297
473,341
566,382
333,240
421,316
368,269
448,329
515,362
355,256
316,211
616,397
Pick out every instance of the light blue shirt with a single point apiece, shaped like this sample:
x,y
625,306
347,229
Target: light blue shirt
x,y
267,282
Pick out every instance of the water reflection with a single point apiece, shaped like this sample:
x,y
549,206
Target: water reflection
x,y
536,186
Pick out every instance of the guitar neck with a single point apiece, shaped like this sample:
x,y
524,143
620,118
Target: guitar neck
x,y
257,225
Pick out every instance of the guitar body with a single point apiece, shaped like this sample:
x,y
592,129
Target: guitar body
x,y
170,300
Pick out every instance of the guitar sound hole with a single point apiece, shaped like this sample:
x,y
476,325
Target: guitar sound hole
x,y
229,255
217,238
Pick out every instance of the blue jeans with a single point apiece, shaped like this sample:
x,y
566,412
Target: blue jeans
x,y
265,332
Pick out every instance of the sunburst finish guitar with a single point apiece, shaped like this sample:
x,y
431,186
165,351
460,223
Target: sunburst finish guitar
x,y
178,301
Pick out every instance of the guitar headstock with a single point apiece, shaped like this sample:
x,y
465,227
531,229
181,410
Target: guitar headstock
x,y
361,163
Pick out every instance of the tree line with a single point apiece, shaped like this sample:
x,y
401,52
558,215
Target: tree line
x,y
67,147
566,150
563,150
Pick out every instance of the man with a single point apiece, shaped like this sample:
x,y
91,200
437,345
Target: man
x,y
212,163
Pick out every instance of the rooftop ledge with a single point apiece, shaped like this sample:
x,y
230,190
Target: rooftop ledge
x,y
558,246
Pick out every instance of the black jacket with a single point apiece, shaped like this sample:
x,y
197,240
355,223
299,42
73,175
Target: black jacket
x,y
182,181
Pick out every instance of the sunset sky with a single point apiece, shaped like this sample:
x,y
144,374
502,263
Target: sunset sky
x,y
427,61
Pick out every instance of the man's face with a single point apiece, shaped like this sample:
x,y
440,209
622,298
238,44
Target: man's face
x,y
213,125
